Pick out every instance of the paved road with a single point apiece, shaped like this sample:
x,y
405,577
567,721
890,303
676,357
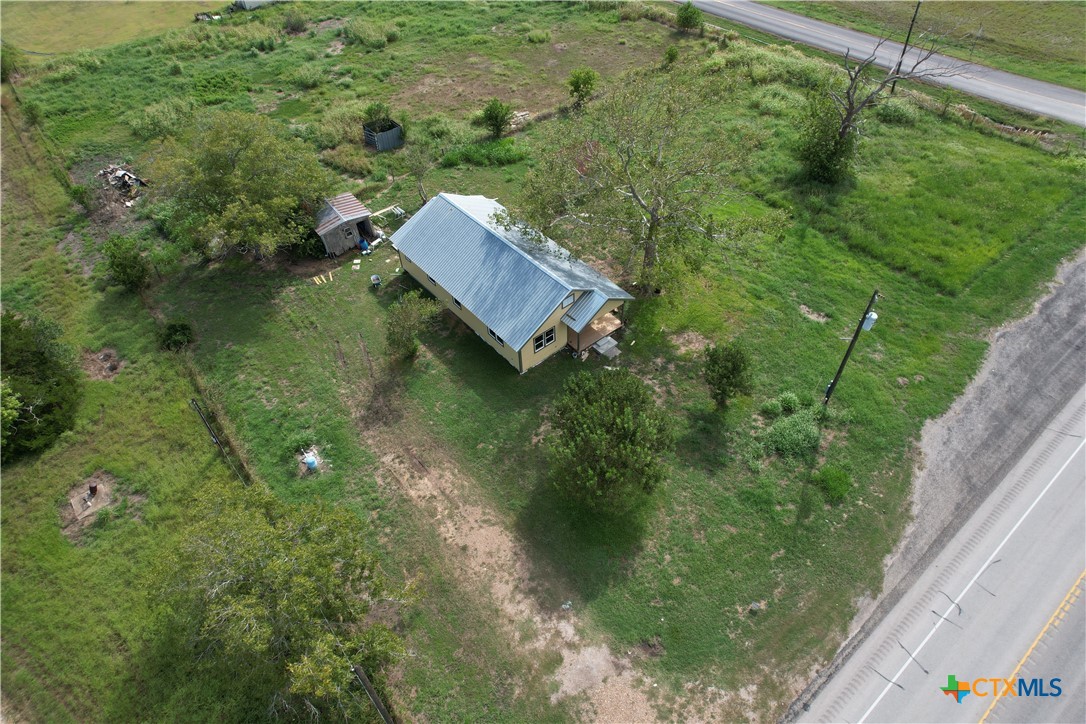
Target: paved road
x,y
1003,601
1012,90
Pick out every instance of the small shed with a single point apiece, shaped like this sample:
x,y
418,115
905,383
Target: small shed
x,y
253,4
384,135
341,222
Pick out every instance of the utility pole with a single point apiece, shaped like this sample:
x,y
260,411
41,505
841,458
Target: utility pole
x,y
905,47
866,322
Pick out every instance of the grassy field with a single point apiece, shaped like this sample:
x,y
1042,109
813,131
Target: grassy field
x,y
63,27
956,227
1042,40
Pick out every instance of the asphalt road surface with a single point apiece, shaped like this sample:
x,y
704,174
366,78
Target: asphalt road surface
x,y
1030,95
1002,601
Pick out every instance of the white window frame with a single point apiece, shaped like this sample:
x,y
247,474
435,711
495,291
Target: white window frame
x,y
541,341
494,334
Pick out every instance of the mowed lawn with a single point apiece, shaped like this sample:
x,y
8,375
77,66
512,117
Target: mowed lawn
x,y
954,250
1042,40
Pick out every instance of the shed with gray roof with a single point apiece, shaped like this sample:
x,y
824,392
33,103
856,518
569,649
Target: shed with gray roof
x,y
525,298
342,222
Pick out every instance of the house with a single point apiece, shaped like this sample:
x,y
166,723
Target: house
x,y
525,299
341,222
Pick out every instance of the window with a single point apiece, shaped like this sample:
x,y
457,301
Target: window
x,y
348,232
497,339
431,280
567,301
457,303
544,340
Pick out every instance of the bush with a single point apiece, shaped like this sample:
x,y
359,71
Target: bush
x,y
582,84
307,77
835,483
125,262
610,440
12,61
898,112
670,56
789,402
539,36
359,32
175,335
727,372
497,117
496,152
294,23
378,117
42,384
405,320
771,408
162,119
688,17
826,155
794,436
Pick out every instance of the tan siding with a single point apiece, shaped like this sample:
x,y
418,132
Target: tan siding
x,y
530,356
464,314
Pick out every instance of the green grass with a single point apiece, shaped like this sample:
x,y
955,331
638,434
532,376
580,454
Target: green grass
x,y
1042,40
957,228
61,27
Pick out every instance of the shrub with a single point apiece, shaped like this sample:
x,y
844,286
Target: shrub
x,y
495,152
794,436
789,402
539,36
125,262
175,335
176,68
405,320
497,117
307,77
378,116
294,23
688,17
41,378
610,440
771,408
898,112
342,123
32,112
727,371
162,119
359,32
826,155
582,84
835,483
670,56
12,61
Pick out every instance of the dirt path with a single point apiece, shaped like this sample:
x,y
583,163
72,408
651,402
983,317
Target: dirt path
x,y
487,556
1032,368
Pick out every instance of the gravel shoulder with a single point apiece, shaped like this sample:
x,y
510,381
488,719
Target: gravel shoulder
x,y
1033,366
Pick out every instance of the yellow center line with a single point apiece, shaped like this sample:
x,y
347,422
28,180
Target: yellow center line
x,y
1069,598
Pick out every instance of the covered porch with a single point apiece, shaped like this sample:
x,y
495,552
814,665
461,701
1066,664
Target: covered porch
x,y
603,326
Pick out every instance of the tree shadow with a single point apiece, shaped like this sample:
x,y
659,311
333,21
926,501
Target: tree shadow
x,y
582,552
708,439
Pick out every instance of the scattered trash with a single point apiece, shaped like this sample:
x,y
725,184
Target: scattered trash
x,y
567,605
755,607
205,17
120,178
309,461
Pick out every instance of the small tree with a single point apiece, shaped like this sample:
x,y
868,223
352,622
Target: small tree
x,y
610,440
12,61
825,153
41,373
257,583
9,412
582,84
727,371
125,263
688,17
378,116
406,319
497,117
670,56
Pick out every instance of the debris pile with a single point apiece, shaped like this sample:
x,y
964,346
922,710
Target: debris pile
x,y
126,182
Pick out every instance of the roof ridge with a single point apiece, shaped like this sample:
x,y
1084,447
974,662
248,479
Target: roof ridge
x,y
506,241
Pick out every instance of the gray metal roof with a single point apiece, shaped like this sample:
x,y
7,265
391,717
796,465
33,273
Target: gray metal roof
x,y
585,308
510,283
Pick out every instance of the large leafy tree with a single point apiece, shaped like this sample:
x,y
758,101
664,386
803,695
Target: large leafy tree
x,y
237,181
42,385
610,439
634,177
259,585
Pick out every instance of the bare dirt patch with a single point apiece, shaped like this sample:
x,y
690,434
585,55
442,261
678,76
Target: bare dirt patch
x,y
813,315
689,341
101,365
80,508
335,47
485,554
329,24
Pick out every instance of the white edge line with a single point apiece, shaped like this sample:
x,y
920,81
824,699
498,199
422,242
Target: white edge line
x,y
954,604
